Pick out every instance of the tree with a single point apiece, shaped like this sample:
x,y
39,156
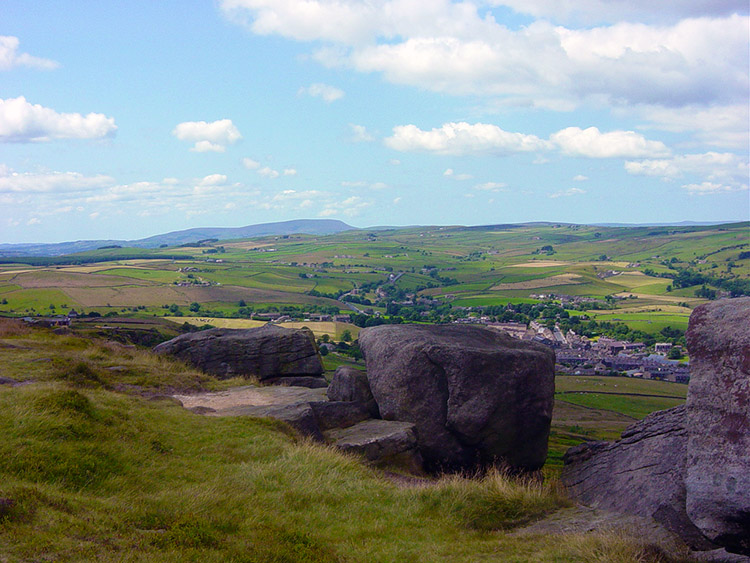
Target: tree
x,y
195,307
242,303
325,338
346,336
675,353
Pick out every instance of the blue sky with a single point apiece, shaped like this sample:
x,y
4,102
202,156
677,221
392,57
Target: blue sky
x,y
127,119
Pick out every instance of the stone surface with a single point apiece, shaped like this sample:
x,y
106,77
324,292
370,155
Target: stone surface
x,y
308,381
475,395
265,352
382,442
349,384
642,474
338,414
718,422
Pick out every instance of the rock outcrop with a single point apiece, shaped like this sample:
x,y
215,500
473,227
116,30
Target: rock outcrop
x,y
718,422
643,473
687,467
475,395
270,353
349,384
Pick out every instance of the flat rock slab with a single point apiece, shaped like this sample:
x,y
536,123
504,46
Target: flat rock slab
x,y
380,441
226,403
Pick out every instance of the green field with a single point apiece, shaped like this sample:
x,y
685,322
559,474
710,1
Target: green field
x,y
460,266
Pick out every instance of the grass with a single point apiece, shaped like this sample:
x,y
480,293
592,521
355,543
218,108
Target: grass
x,y
96,464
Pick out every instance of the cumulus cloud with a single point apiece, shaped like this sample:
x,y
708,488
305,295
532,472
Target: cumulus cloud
x,y
10,57
568,193
50,182
289,172
350,207
490,186
707,188
591,143
250,164
720,126
268,172
450,173
580,178
23,122
462,138
360,134
208,137
324,91
692,52
716,171
640,10
482,138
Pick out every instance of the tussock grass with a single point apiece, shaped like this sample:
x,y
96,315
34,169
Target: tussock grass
x,y
496,500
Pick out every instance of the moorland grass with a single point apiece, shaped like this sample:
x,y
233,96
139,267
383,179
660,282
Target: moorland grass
x,y
90,473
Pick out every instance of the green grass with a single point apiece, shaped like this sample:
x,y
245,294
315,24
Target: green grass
x,y
91,468
637,407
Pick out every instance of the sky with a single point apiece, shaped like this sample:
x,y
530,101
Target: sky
x,y
125,119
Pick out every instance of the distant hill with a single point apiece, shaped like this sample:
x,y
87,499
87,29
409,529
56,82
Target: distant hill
x,y
306,226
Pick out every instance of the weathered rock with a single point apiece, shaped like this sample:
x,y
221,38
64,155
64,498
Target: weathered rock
x,y
641,474
308,381
382,442
338,414
265,352
474,394
349,384
718,422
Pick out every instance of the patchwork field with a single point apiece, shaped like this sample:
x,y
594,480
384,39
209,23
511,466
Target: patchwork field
x,y
458,266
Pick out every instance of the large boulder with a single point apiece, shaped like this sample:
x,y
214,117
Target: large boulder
x,y
718,422
475,395
642,473
349,384
269,352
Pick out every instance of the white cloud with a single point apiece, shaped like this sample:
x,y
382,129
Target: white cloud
x,y
591,143
360,134
33,221
692,52
462,138
51,182
289,172
250,164
449,172
716,171
324,91
568,193
396,200
490,186
709,188
268,172
580,178
379,186
350,207
720,126
640,10
22,122
10,57
213,180
357,184
394,162
208,137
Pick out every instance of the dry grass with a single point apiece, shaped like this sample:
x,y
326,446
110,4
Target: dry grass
x,y
13,327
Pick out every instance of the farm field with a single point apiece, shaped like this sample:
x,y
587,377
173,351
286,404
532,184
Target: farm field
x,y
455,266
